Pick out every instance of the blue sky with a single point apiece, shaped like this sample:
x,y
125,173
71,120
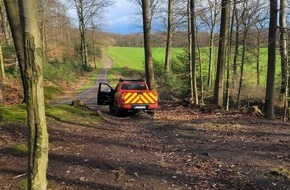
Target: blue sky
x,y
120,18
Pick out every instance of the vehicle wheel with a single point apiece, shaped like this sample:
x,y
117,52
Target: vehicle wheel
x,y
152,114
118,112
112,110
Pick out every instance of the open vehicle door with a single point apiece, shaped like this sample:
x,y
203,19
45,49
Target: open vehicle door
x,y
105,94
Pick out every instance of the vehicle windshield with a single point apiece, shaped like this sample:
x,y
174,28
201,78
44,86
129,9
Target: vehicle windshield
x,y
133,86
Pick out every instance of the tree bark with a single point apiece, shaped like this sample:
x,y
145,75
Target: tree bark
x,y
1,95
80,11
236,51
284,55
245,33
169,36
38,136
193,52
12,11
149,71
4,23
222,54
270,86
283,45
2,76
189,49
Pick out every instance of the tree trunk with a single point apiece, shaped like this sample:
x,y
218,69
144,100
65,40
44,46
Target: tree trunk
x,y
211,55
149,71
12,10
258,59
169,36
80,11
189,49
284,55
245,33
229,57
201,102
2,77
93,43
1,95
38,136
4,23
270,86
222,54
236,52
193,52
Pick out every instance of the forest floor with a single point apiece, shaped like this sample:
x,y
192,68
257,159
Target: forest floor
x,y
181,148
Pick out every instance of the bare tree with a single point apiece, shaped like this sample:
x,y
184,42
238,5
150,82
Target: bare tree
x,y
260,28
169,35
248,19
270,86
86,9
222,53
210,16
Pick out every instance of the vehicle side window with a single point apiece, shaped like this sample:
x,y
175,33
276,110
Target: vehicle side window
x,y
105,88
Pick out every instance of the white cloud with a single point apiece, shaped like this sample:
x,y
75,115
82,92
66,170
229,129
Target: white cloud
x,y
120,17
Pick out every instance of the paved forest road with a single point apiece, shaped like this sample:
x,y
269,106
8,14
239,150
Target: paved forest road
x,y
89,96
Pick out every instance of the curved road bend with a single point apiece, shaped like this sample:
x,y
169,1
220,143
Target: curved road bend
x,y
89,96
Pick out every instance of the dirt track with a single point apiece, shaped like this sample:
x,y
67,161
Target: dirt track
x,y
89,96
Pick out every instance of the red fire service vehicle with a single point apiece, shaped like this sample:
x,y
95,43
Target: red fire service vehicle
x,y
128,96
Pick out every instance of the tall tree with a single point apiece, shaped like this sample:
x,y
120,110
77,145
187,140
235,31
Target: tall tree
x,y
86,10
4,23
222,53
210,16
249,17
283,44
284,54
12,10
149,71
38,136
169,35
270,86
193,52
189,48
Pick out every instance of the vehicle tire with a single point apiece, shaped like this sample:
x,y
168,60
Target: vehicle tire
x,y
112,109
152,113
118,112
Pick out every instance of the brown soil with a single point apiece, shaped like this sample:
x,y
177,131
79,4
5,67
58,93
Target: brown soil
x,y
182,148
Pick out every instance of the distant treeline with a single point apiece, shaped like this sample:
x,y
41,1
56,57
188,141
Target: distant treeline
x,y
180,39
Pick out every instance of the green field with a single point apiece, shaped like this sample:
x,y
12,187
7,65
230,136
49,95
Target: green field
x,y
133,58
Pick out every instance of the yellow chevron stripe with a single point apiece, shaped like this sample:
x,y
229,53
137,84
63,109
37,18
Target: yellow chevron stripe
x,y
150,99
128,94
135,100
152,95
144,100
131,98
